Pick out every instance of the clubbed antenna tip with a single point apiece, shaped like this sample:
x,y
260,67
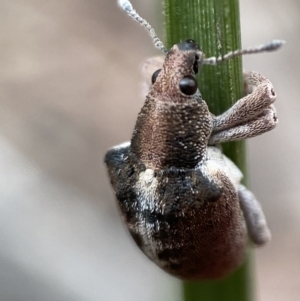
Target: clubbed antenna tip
x,y
126,5
128,8
273,45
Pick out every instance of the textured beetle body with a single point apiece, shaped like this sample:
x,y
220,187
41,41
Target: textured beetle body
x,y
179,196
188,221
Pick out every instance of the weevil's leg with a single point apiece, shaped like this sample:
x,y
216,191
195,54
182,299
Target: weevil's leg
x,y
148,67
250,106
265,122
255,219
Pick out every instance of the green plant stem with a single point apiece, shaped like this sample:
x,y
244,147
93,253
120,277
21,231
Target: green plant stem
x,y
215,26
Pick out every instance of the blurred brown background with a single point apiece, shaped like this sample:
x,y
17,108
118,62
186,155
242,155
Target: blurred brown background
x,y
70,89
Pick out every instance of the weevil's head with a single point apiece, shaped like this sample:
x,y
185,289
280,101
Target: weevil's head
x,y
174,125
177,78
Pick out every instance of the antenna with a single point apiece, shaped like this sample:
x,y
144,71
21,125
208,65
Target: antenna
x,y
127,7
271,46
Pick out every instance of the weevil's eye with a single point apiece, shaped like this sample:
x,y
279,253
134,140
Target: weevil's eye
x,y
188,85
154,76
190,41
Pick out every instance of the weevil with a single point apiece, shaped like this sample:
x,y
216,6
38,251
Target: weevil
x,y
179,195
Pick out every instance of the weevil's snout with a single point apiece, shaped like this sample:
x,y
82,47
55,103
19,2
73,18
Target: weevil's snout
x,y
192,53
188,45
191,46
186,56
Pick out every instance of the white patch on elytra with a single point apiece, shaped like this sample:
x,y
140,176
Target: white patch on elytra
x,y
145,188
147,176
147,183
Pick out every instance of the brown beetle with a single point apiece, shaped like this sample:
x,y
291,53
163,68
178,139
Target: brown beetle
x,y
180,197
